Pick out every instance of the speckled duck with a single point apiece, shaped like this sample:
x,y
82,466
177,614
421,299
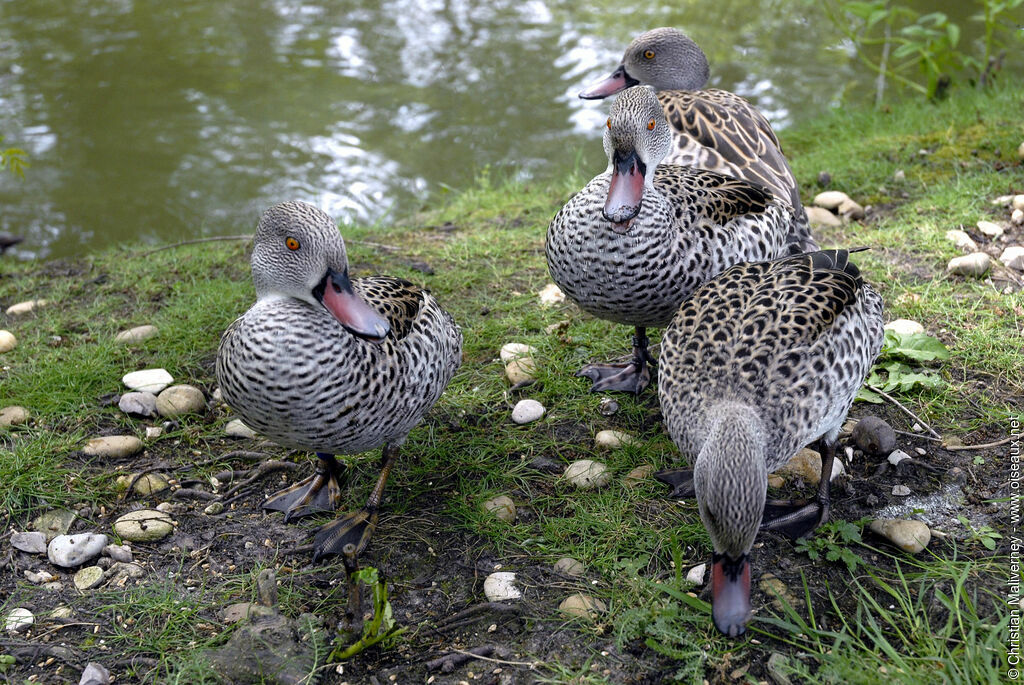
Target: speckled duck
x,y
332,365
641,237
711,129
759,362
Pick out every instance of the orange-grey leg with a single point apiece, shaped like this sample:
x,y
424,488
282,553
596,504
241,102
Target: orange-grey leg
x,y
632,377
319,492
798,519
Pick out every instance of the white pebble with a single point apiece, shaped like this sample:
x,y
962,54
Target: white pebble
x,y
143,525
851,210
14,416
148,380
138,403
819,216
213,508
1013,257
1003,200
153,432
500,587
582,605
961,239
976,264
910,536
514,350
236,428
586,474
904,327
19,619
113,446
551,295
179,400
501,506
610,439
990,229
69,551
122,553
25,307
7,341
521,370
830,199
39,577
696,574
899,175
896,456
137,334
1017,218
527,411
568,566
1017,202
900,490
921,451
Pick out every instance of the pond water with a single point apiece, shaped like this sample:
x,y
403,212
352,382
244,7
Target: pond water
x,y
163,121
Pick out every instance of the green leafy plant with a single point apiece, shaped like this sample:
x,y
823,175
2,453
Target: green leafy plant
x,y
832,541
891,371
14,160
382,627
984,535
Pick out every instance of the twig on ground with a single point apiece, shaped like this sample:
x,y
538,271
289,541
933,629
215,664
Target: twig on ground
x,y
904,409
916,435
262,470
962,448
472,615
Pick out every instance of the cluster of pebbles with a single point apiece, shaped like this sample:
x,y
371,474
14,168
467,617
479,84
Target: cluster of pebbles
x,y
989,240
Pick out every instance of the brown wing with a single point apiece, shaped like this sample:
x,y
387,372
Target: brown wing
x,y
717,197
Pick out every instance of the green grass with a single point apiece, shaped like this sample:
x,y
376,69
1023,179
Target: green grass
x,y
486,249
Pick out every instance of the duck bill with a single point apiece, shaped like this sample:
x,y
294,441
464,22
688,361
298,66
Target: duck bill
x,y
625,190
730,594
609,85
335,293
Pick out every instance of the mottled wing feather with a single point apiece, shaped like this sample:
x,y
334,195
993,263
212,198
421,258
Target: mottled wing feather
x,y
397,299
717,197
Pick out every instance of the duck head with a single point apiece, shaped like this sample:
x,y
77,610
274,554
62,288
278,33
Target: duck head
x,y
731,478
664,58
298,253
636,139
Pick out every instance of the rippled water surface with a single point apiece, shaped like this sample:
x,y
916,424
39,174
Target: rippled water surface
x,y
163,121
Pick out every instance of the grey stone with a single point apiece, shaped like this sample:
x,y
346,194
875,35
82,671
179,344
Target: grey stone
x,y
88,578
233,613
527,411
179,400
138,403
1012,257
974,264
568,566
121,553
895,457
54,522
69,551
32,542
18,620
95,674
900,490
990,229
39,577
501,506
586,474
961,240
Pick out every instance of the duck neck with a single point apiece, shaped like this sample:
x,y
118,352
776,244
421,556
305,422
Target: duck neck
x,y
731,476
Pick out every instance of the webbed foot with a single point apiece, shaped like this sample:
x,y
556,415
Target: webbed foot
x,y
319,492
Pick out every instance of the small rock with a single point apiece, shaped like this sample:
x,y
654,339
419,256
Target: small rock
x,y
521,370
527,411
586,474
990,229
874,436
62,611
1017,217
899,175
818,217
18,620
895,457
179,400
777,666
1002,201
824,179
121,553
609,439
137,334
233,613
7,341
68,551
148,380
54,522
551,295
119,574
961,240
830,199
138,403
1017,202
95,674
696,574
637,475
773,587
501,506
806,464
510,351
557,327
32,542
14,416
143,525
213,508
582,605
910,536
39,577
113,446
974,264
608,406
1012,257
165,507
88,578
917,428
568,566
236,428
149,483
904,327
153,432
26,307
500,587
851,210
776,481
921,451
900,490
1020,151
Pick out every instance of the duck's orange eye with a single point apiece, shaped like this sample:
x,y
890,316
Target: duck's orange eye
x,y
608,123
651,124
649,54
291,243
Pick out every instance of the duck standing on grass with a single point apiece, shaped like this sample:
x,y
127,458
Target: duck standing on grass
x,y
639,238
759,362
332,365
711,129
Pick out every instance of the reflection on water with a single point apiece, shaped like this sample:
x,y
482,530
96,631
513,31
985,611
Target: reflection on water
x,y
166,121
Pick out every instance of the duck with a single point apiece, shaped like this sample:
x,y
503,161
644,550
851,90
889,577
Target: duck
x,y
640,237
711,128
331,364
759,362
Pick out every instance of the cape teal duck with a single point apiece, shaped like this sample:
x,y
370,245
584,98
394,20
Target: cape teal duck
x,y
759,362
332,365
711,129
639,238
